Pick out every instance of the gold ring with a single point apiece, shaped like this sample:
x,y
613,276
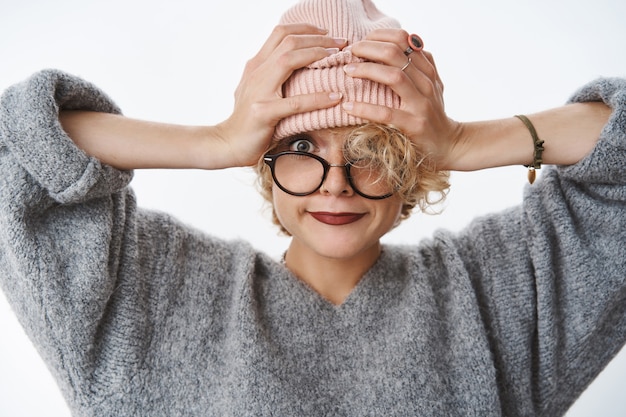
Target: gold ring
x,y
406,65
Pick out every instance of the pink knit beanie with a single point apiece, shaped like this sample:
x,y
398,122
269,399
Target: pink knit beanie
x,y
351,19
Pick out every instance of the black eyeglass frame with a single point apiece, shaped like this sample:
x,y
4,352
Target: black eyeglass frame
x,y
270,160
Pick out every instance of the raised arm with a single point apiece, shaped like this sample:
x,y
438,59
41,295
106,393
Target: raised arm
x,y
86,272
569,132
240,140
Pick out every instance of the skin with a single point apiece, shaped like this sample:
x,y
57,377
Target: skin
x,y
332,259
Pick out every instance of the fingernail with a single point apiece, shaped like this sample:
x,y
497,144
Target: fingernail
x,y
340,41
334,96
348,106
332,51
349,68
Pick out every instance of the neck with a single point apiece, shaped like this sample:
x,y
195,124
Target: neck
x,y
333,278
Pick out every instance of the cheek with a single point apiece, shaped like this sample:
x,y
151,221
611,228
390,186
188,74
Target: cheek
x,y
393,214
283,207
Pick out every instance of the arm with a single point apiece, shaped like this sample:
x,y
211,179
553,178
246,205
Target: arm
x,y
548,275
551,273
64,219
238,141
85,271
127,143
569,132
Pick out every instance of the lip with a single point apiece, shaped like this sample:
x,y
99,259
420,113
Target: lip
x,y
336,219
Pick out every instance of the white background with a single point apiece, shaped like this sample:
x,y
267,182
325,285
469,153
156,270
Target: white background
x,y
179,61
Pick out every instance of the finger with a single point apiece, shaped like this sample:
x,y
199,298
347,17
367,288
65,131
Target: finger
x,y
272,73
280,32
407,43
303,103
393,55
376,113
431,60
410,124
415,68
376,53
296,36
422,66
379,50
397,40
396,36
402,82
294,51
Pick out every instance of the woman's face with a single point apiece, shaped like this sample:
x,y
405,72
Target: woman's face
x,y
334,221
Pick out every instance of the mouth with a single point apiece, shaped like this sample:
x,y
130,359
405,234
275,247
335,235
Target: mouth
x,y
336,219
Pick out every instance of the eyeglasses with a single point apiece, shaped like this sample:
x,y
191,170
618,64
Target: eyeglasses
x,y
302,173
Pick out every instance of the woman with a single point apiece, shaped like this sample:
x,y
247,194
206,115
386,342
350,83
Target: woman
x,y
483,323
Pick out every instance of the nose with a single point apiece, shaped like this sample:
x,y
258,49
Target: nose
x,y
336,181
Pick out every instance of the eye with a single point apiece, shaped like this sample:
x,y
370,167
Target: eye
x,y
301,145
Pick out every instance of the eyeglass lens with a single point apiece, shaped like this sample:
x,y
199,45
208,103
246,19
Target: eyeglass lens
x,y
301,174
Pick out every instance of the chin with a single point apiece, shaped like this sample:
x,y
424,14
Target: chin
x,y
338,246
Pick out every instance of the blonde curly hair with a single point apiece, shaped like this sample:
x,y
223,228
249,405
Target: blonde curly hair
x,y
402,166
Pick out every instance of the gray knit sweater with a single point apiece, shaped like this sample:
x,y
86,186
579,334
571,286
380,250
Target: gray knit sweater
x,y
137,314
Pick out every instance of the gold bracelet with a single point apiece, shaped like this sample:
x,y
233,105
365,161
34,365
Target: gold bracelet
x,y
538,148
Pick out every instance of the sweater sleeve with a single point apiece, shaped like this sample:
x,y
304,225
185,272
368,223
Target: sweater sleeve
x,y
31,131
550,276
68,234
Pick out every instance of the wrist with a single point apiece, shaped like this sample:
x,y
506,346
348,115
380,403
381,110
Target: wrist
x,y
221,150
213,149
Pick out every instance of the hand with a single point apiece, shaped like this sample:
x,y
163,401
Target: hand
x,y
421,115
571,130
259,103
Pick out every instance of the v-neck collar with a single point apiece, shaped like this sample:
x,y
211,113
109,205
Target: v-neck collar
x,y
367,293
